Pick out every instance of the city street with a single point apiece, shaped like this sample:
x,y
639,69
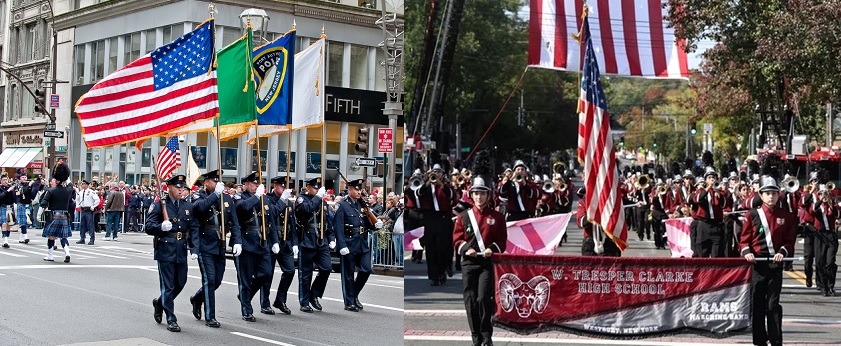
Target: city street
x,y
103,297
435,315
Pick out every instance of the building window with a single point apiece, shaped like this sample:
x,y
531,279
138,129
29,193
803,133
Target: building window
x,y
335,59
2,101
45,37
131,47
79,63
167,35
358,67
12,111
151,36
379,71
112,55
229,35
29,42
97,68
13,53
28,103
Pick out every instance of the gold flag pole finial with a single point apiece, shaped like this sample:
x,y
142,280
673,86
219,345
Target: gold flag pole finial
x,y
323,35
294,26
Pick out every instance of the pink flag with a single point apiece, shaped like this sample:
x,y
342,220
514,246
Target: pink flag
x,y
677,230
538,236
411,240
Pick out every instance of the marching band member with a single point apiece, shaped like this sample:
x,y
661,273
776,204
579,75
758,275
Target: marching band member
x,y
824,213
659,205
810,234
435,200
642,195
709,237
588,245
57,198
768,232
519,194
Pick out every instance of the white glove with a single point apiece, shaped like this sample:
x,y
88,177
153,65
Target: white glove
x,y
237,249
332,245
344,251
285,195
166,226
194,257
261,191
379,224
219,189
275,248
295,251
321,192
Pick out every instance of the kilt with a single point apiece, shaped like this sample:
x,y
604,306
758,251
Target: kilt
x,y
59,227
20,215
3,210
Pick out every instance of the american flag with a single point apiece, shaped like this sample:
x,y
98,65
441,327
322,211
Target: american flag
x,y
595,150
164,90
633,37
168,160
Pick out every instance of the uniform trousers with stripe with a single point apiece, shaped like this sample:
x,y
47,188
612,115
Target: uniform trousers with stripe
x,y
173,277
810,242
352,286
86,225
252,272
309,259
212,270
826,249
285,259
642,221
767,282
709,238
437,240
478,277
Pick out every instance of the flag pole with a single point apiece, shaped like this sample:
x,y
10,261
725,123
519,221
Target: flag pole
x,y
288,165
221,197
323,156
257,136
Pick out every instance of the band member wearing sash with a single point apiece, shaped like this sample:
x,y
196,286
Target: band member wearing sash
x,y
57,199
284,216
709,239
768,233
254,266
209,242
824,213
479,233
352,228
810,234
314,246
171,232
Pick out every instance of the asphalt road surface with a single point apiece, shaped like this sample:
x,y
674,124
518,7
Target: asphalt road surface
x,y
103,297
435,315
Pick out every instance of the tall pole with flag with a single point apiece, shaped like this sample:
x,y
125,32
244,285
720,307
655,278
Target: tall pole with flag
x,y
603,198
323,150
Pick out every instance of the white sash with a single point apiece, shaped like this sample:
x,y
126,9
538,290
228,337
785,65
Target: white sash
x,y
476,231
768,240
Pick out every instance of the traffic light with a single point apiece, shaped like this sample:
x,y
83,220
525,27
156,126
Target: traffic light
x,y
622,141
362,141
521,116
692,129
654,144
41,101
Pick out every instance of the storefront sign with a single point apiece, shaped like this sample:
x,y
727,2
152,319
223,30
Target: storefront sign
x,y
609,296
354,105
24,139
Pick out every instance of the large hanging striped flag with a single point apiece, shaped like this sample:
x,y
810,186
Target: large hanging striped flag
x,y
595,150
168,160
632,37
171,87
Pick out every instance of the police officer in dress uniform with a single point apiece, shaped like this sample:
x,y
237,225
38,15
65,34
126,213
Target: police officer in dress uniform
x,y
352,228
209,242
315,247
768,232
171,232
479,233
283,217
254,265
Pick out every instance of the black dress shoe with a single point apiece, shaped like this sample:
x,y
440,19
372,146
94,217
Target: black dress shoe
x,y
90,242
66,259
315,304
82,241
449,271
159,310
832,292
249,318
5,245
434,283
306,308
267,311
358,304
351,308
26,241
282,307
212,323
808,283
196,307
173,327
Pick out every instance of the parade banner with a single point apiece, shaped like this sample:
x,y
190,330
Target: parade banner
x,y
534,236
677,231
621,297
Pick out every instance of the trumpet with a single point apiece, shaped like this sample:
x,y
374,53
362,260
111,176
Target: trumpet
x,y
830,186
460,180
518,178
791,184
548,186
467,174
433,177
561,185
662,189
717,185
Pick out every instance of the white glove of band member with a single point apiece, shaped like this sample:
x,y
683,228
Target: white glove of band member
x,y
344,251
332,245
275,248
379,224
321,192
166,226
219,189
285,195
237,249
295,251
261,190
194,257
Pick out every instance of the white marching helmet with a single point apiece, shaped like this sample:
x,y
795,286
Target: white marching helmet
x,y
519,163
769,184
479,185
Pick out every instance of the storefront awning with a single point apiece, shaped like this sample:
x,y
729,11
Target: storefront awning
x,y
17,157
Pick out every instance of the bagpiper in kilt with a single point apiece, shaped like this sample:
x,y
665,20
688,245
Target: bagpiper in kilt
x,y
57,199
7,199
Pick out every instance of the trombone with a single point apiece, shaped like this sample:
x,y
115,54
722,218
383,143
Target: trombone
x,y
792,185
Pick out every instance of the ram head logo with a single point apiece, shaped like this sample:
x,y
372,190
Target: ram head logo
x,y
528,297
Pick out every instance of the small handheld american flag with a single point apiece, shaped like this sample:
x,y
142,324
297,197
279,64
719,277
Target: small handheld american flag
x,y
169,159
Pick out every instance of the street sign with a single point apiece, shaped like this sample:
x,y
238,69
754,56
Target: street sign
x,y
708,129
54,134
50,127
366,162
385,140
54,101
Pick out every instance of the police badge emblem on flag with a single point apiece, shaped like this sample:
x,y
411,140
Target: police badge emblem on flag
x,y
273,68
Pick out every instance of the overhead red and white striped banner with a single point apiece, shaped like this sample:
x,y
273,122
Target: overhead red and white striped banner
x,y
631,38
